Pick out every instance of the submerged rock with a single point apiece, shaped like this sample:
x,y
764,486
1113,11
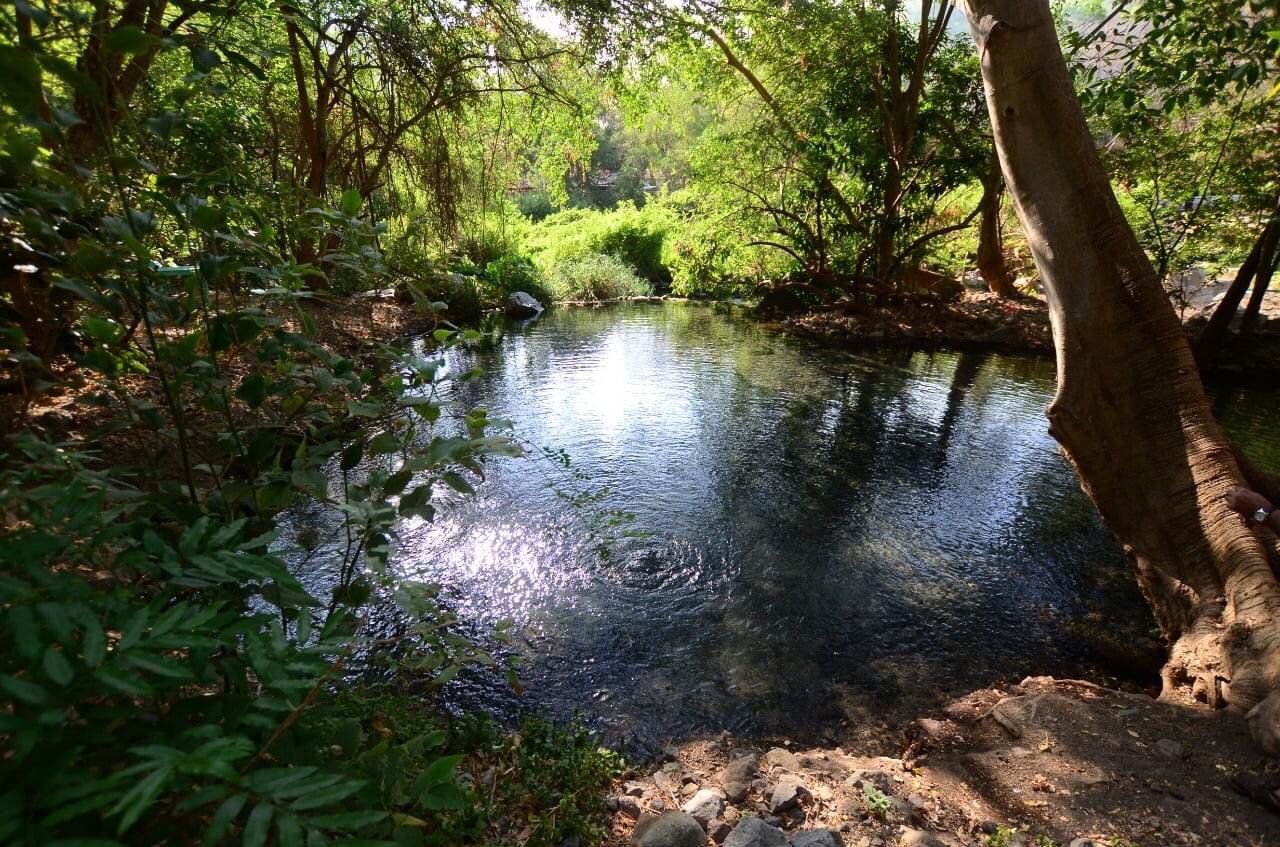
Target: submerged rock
x,y
521,304
672,829
753,832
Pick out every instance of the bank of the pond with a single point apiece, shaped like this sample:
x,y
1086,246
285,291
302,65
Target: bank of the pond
x,y
1040,763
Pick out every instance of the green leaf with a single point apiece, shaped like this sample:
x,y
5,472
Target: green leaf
x,y
351,202
457,483
325,796
205,59
129,39
224,817
122,682
441,770
56,666
347,821
351,455
24,690
140,797
20,79
258,826
289,830
253,390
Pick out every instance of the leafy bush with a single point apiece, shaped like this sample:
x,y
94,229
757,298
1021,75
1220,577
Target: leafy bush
x,y
165,676
596,278
634,235
512,272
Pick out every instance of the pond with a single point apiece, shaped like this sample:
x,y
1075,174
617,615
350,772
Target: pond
x,y
760,535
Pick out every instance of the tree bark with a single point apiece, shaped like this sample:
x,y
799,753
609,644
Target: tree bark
x,y
1209,344
991,264
1130,412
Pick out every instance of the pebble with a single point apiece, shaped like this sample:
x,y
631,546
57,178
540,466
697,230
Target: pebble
x,y
689,789
878,779
781,758
742,769
787,794
629,806
754,832
817,838
673,829
704,806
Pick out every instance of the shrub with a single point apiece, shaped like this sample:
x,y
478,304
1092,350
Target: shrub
x,y
515,273
635,236
596,277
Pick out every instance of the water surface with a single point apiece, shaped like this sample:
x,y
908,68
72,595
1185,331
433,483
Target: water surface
x,y
759,535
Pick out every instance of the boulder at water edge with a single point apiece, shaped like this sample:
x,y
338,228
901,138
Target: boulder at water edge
x,y
673,829
520,304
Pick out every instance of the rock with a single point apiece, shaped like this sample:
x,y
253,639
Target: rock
x,y
931,728
817,838
879,780
704,806
689,789
753,832
736,791
673,829
670,753
1086,842
918,805
782,759
719,830
672,768
787,794
742,769
1169,748
626,805
633,789
918,838
520,304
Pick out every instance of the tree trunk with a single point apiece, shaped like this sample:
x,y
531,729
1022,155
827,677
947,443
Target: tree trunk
x,y
1129,411
1261,282
1211,337
991,265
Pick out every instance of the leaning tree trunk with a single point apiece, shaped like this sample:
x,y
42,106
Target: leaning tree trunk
x,y
1129,411
1261,283
991,264
1209,344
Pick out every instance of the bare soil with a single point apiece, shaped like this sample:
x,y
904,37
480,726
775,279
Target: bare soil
x,y
1042,762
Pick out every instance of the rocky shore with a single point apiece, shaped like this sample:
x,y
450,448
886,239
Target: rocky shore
x,y
1045,763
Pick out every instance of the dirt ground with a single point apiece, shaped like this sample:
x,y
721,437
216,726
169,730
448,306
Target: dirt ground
x,y
978,320
1044,762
